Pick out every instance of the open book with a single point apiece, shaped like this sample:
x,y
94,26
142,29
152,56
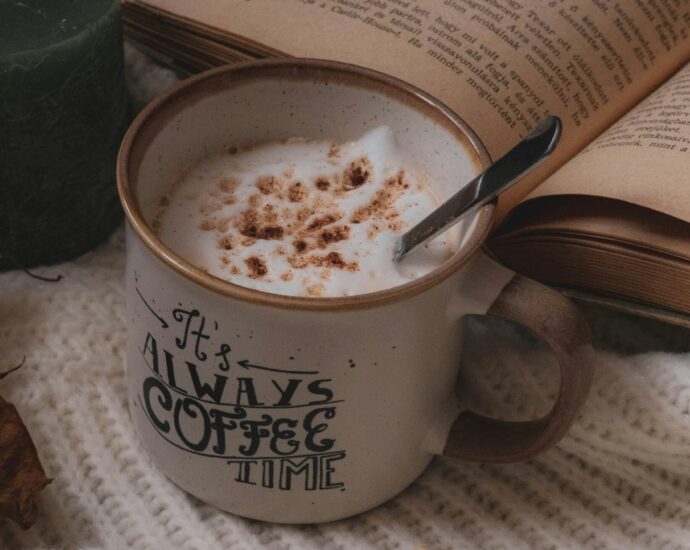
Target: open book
x,y
608,216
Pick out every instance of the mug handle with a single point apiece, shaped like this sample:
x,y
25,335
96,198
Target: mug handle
x,y
557,320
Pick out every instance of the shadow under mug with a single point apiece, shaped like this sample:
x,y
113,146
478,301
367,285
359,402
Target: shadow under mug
x,y
303,410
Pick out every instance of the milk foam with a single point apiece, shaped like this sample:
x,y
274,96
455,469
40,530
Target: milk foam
x,y
303,218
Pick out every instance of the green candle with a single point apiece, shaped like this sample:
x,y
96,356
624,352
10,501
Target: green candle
x,y
63,111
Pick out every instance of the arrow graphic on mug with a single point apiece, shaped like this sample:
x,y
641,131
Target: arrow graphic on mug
x,y
245,364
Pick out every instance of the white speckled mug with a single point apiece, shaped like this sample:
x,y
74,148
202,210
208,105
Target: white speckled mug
x,y
302,410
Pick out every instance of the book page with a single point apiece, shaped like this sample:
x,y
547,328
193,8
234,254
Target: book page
x,y
500,64
644,158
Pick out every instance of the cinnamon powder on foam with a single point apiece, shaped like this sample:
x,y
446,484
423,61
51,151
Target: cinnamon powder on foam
x,y
304,216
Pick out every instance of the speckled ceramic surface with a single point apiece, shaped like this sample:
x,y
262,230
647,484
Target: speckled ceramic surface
x,y
294,409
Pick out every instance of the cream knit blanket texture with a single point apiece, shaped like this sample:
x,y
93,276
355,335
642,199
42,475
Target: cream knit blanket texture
x,y
619,479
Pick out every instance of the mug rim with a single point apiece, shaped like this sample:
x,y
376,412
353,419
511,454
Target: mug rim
x,y
302,69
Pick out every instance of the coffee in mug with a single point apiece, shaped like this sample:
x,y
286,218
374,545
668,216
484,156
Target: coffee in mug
x,y
309,408
304,217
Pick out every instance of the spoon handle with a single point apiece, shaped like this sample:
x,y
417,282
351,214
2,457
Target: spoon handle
x,y
498,177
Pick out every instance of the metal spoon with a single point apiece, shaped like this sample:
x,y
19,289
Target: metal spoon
x,y
498,177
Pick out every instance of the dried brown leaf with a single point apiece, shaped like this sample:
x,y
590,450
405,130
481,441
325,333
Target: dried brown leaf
x,y
7,372
21,473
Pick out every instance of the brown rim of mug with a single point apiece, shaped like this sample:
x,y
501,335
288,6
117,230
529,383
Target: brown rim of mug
x,y
179,96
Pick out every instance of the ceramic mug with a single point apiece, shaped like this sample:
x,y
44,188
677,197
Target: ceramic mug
x,y
299,409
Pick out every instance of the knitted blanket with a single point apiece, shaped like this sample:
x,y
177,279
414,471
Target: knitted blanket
x,y
619,479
